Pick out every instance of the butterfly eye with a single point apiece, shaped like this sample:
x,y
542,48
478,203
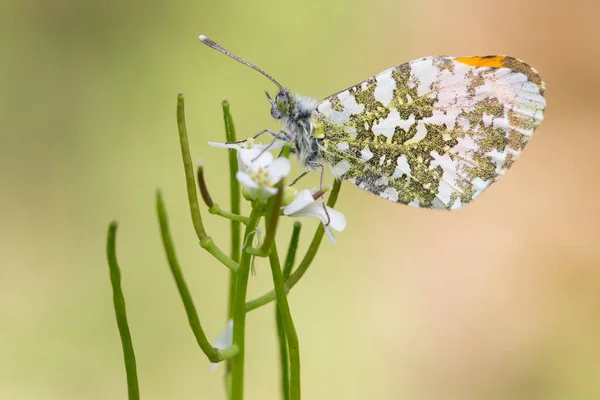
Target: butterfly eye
x,y
275,113
282,103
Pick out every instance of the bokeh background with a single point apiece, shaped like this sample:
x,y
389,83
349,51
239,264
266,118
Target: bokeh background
x,y
500,300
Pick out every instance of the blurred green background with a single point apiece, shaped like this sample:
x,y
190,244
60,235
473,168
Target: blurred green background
x,y
497,301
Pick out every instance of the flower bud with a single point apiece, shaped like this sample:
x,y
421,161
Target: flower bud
x,y
289,194
246,193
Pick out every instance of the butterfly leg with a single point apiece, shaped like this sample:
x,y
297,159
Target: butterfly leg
x,y
302,175
275,134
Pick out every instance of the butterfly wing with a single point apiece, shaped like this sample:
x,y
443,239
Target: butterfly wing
x,y
434,132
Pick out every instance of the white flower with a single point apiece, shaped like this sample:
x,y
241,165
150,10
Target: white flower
x,y
259,173
224,340
304,205
246,147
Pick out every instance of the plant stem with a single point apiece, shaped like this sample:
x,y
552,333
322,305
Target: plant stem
x,y
274,207
288,325
306,261
205,241
292,249
190,179
283,355
121,314
217,210
262,300
235,196
283,344
204,193
239,308
213,354
209,245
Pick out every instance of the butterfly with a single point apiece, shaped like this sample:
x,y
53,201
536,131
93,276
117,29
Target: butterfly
x,y
433,132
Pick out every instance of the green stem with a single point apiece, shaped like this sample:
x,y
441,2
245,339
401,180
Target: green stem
x,y
283,344
274,206
262,300
235,199
216,252
288,325
213,354
283,356
121,314
235,192
292,249
205,241
217,210
306,261
190,179
239,308
204,193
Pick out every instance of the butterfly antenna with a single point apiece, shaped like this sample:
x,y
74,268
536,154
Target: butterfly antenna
x,y
216,46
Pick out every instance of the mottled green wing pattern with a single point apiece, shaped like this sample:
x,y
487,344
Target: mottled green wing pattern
x,y
434,132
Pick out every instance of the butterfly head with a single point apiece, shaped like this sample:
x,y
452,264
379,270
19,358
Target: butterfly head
x,y
281,106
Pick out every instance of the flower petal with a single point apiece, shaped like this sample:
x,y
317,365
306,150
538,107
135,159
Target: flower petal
x,y
314,209
245,156
245,180
302,199
278,169
224,340
265,192
337,220
235,146
254,158
225,337
263,160
330,235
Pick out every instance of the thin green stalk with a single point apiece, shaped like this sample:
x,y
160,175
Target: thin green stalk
x,y
217,210
288,325
216,252
213,354
239,308
188,167
292,249
235,207
274,206
190,179
283,344
121,314
204,193
306,261
235,196
262,300
283,356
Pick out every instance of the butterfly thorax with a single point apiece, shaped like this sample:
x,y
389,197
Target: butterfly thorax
x,y
296,114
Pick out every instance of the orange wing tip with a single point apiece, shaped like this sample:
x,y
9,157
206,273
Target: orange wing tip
x,y
487,61
514,64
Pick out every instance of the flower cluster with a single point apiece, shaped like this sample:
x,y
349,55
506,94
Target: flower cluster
x,y
259,173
